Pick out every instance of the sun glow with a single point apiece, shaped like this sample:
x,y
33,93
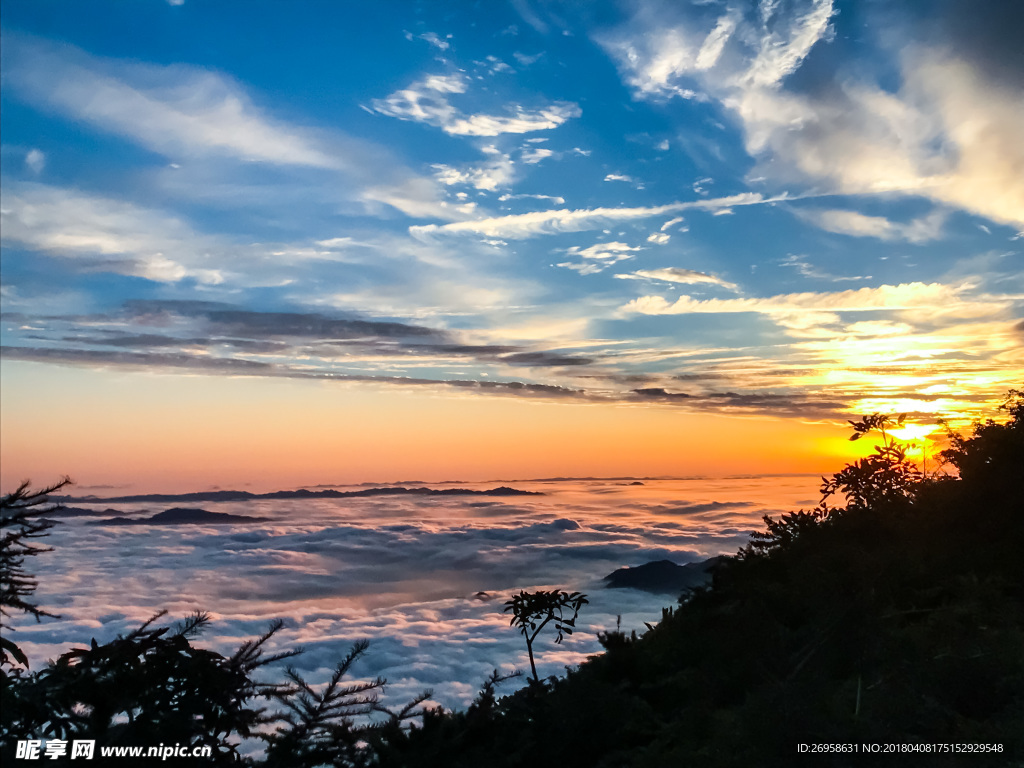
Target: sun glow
x,y
913,432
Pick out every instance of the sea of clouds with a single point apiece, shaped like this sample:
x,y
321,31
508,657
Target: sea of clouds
x,y
423,578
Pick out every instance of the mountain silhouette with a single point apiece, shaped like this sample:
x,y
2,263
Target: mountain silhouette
x,y
82,512
302,493
181,516
663,576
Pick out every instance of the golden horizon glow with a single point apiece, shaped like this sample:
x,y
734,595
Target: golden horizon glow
x,y
163,432
913,432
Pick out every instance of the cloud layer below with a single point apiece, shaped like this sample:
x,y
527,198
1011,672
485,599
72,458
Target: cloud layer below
x,y
405,573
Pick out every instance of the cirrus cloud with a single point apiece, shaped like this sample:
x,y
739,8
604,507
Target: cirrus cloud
x,y
174,110
678,275
883,297
427,101
525,225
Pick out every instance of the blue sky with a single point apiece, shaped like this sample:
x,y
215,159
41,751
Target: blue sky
x,y
805,208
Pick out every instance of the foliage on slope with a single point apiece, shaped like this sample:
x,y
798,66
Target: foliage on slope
x,y
898,618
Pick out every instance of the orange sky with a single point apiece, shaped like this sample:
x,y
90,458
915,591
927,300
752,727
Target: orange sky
x,y
163,432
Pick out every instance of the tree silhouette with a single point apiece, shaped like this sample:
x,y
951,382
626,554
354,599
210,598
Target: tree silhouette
x,y
21,520
319,723
994,454
882,479
532,611
146,687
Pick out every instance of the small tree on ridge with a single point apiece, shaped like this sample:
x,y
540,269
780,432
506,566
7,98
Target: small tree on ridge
x,y
532,611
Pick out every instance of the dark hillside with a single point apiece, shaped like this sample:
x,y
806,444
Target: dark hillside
x,y
896,620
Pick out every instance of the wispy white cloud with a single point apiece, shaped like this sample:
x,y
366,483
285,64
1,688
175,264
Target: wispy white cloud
x,y
336,242
876,328
434,39
921,230
107,234
583,267
521,120
553,198
884,297
783,50
598,257
530,16
524,225
525,59
653,60
714,43
417,198
612,252
678,275
35,161
497,172
531,154
427,101
101,234
766,9
534,156
662,59
493,65
175,110
806,269
948,135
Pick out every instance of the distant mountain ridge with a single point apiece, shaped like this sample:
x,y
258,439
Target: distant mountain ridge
x,y
302,493
664,576
181,516
80,512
